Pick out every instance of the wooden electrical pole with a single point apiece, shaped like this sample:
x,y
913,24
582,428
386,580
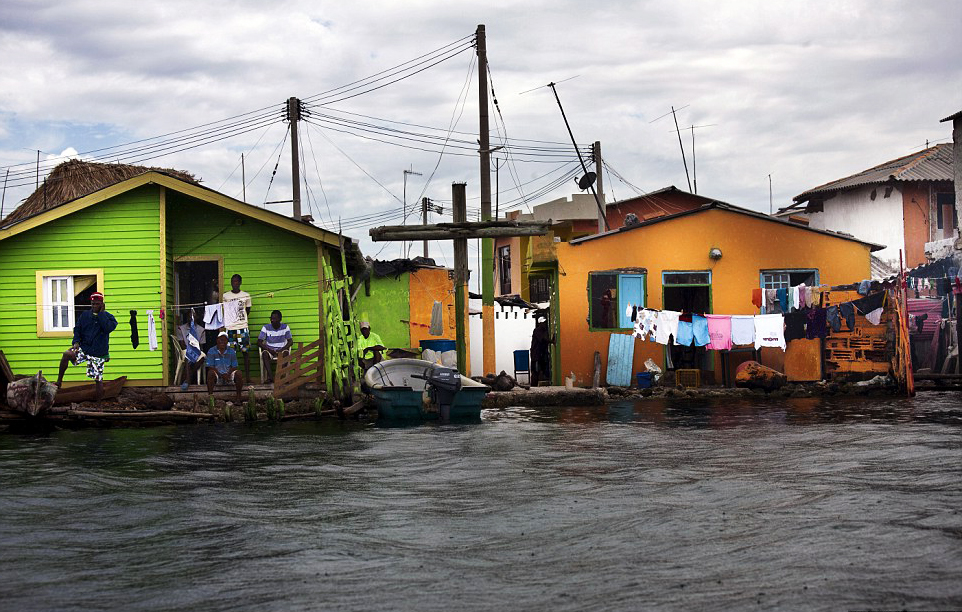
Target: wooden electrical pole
x,y
460,214
424,221
294,115
487,244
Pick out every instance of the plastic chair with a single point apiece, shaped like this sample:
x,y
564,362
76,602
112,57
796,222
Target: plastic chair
x,y
522,364
181,355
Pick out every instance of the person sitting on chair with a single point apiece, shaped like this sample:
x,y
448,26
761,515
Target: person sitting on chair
x,y
369,346
191,337
275,339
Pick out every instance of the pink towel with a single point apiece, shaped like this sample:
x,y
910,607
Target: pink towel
x,y
720,332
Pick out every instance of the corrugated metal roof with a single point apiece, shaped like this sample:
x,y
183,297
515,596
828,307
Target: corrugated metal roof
x,y
951,117
932,164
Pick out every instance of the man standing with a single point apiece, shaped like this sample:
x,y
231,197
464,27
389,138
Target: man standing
x,y
91,336
222,366
237,307
275,338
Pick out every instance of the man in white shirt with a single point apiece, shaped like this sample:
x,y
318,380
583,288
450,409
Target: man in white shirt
x,y
275,339
237,307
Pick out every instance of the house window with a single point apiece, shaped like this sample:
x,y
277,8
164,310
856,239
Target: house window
x,y
783,279
504,269
945,206
538,289
610,294
61,296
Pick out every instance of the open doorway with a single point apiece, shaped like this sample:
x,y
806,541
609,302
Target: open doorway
x,y
687,293
196,284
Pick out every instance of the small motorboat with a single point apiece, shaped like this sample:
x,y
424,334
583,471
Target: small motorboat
x,y
414,389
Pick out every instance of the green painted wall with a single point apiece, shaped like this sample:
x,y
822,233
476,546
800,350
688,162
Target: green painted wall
x,y
121,236
279,269
388,309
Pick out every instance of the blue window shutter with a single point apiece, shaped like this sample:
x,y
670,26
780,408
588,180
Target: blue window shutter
x,y
631,290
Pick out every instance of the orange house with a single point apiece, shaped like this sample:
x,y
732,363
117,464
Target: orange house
x,y
703,260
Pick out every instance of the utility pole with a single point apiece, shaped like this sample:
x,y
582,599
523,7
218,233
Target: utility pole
x,y
602,213
404,204
770,200
601,208
424,221
3,198
243,179
681,146
294,115
487,244
694,167
460,214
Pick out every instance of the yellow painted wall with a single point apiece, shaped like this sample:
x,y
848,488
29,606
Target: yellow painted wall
x,y
748,245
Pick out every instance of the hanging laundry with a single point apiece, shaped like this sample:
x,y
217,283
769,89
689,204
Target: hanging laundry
x,y
875,316
628,310
792,299
816,327
770,331
757,298
437,323
803,296
685,334
648,319
870,303
720,332
795,325
699,326
134,334
151,331
743,330
667,323
814,296
847,312
634,314
214,316
864,287
782,296
831,315
770,296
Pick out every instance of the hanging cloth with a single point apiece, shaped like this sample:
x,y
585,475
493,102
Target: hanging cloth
x,y
214,316
134,334
770,331
782,296
720,332
667,322
699,327
816,326
193,345
757,298
743,330
437,321
803,296
151,331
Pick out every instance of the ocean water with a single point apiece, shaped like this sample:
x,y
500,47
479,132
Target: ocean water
x,y
790,504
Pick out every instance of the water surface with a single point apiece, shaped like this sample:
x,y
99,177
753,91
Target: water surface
x,y
803,504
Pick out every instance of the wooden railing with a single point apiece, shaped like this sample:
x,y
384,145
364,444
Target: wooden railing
x,y
303,365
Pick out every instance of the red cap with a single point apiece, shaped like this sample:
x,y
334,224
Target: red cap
x,y
96,295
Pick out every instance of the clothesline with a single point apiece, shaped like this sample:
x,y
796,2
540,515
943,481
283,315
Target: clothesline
x,y
721,332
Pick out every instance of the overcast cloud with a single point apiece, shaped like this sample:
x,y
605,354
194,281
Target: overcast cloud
x,y
805,91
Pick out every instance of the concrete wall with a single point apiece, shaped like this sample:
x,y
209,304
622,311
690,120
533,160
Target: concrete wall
x,y
879,221
512,331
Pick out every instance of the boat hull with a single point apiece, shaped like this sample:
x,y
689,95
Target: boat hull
x,y
401,397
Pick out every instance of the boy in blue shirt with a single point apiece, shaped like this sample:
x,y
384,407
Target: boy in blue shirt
x,y
91,342
222,366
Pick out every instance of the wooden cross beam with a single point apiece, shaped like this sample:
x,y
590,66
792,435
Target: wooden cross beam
x,y
460,231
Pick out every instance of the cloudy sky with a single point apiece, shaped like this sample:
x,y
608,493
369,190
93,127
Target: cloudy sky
x,y
805,92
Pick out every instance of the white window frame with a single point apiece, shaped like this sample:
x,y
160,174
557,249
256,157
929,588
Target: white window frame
x,y
54,304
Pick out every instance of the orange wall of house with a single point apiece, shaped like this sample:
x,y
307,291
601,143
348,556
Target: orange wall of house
x,y
748,245
427,285
915,216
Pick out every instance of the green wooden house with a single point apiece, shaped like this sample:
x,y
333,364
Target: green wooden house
x,y
150,240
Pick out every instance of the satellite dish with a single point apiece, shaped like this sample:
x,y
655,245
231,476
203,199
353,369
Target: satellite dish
x,y
587,181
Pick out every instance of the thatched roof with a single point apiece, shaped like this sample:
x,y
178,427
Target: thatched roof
x,y
75,179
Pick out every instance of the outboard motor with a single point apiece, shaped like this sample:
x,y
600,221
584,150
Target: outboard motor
x,y
443,387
